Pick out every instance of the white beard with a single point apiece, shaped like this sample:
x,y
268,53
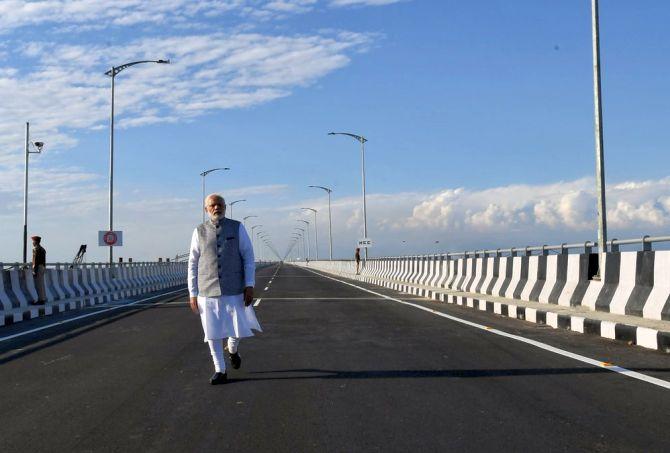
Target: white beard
x,y
215,218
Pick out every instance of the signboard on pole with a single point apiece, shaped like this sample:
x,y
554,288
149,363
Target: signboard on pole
x,y
365,243
110,238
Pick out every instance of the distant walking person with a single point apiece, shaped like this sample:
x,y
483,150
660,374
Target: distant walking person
x,y
39,267
358,260
221,274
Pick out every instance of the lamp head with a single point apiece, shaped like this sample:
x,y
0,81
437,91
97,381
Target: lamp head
x,y
39,146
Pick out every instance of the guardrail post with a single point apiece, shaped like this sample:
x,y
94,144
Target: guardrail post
x,y
587,248
646,246
544,250
497,252
614,247
564,249
512,252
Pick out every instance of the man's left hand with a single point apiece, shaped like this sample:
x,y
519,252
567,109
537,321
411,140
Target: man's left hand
x,y
248,295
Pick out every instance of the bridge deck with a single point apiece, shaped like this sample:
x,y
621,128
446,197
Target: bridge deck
x,y
336,369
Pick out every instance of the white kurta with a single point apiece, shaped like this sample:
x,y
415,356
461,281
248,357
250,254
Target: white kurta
x,y
225,316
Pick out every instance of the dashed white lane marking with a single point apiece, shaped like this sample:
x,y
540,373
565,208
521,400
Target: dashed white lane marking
x,y
538,344
266,288
258,301
65,321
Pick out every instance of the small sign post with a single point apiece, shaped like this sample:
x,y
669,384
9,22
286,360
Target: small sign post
x,y
365,243
110,238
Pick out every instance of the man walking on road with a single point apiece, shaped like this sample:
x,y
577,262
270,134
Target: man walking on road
x,y
357,255
39,267
221,274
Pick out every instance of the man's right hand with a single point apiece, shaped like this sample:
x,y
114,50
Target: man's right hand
x,y
193,301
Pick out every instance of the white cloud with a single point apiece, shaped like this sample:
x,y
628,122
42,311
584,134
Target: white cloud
x,y
66,91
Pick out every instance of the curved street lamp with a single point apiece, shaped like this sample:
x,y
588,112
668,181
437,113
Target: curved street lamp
x,y
362,141
244,220
113,72
37,150
330,221
309,249
231,206
316,232
204,174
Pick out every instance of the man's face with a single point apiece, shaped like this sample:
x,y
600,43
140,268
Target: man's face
x,y
215,207
35,243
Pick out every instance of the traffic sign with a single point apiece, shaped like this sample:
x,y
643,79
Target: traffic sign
x,y
365,243
110,238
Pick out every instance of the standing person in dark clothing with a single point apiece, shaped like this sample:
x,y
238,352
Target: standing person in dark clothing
x,y
358,260
39,267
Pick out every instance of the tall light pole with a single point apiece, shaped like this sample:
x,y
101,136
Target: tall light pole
x,y
330,222
231,206
600,147
253,237
204,174
302,236
244,220
38,146
316,232
113,72
309,249
362,141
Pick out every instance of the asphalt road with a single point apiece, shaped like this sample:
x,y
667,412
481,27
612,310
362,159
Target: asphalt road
x,y
337,369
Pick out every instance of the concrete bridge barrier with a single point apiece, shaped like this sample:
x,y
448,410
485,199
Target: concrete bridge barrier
x,y
69,287
633,293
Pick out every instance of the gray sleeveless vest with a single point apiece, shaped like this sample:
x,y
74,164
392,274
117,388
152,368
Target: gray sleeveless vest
x,y
220,267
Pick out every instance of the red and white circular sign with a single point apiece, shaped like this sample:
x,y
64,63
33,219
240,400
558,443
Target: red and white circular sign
x,y
110,238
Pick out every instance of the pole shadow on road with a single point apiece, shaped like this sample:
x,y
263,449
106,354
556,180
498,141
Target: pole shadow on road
x,y
314,373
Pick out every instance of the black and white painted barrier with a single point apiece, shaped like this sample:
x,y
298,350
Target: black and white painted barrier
x,y
635,285
69,287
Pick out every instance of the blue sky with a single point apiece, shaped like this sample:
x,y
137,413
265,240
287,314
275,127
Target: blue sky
x,y
479,117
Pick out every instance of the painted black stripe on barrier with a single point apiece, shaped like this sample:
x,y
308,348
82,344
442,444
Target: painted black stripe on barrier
x,y
520,313
610,283
665,313
541,278
504,310
561,278
473,277
49,284
463,265
480,283
494,279
7,284
663,340
523,278
508,276
65,286
592,326
564,321
69,276
23,285
541,317
625,332
644,283
489,306
588,267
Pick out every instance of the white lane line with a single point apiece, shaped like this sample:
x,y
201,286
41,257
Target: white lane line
x,y
266,288
116,307
258,301
538,344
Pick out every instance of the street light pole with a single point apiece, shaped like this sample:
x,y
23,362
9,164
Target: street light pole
x,y
231,206
316,232
330,222
253,238
309,248
600,147
244,220
113,73
38,146
204,174
362,141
